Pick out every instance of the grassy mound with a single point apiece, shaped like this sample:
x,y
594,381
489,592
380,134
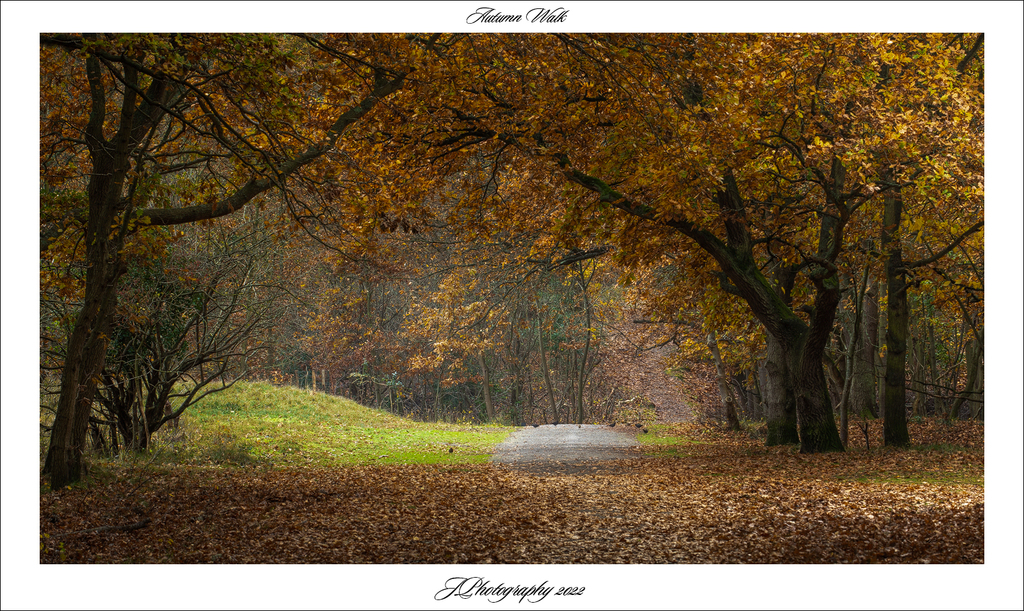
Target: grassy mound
x,y
260,424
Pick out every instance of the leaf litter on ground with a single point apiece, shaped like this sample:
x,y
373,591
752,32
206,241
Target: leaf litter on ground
x,y
718,498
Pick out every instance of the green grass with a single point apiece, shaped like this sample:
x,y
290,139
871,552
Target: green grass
x,y
262,425
659,443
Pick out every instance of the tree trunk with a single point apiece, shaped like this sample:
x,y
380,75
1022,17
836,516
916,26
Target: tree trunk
x,y
87,346
835,377
437,394
933,371
844,419
762,380
978,388
975,352
862,393
584,283
745,386
514,400
917,372
895,425
779,397
487,386
754,394
84,363
547,374
529,395
917,356
815,417
883,327
723,385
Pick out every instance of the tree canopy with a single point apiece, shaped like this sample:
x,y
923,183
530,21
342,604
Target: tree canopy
x,y
777,156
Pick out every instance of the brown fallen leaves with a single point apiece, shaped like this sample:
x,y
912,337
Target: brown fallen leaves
x,y
727,500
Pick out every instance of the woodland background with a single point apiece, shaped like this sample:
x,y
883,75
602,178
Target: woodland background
x,y
991,314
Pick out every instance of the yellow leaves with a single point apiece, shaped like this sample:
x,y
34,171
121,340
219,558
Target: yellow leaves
x,y
819,143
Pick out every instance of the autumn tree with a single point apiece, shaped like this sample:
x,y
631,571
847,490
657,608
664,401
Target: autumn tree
x,y
760,150
189,324
486,283
942,171
159,130
504,307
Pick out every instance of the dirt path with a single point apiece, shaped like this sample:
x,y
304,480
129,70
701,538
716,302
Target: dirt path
x,y
642,370
567,448
572,449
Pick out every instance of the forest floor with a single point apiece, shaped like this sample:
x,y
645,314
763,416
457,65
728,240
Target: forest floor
x,y
690,492
699,495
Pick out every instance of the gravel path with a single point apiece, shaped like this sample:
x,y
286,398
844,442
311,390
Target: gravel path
x,y
568,448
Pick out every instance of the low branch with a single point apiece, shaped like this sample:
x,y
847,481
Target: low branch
x,y
583,255
942,253
962,66
725,285
234,202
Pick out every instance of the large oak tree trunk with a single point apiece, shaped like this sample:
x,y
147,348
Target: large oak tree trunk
x,y
799,407
104,239
796,363
815,417
780,396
